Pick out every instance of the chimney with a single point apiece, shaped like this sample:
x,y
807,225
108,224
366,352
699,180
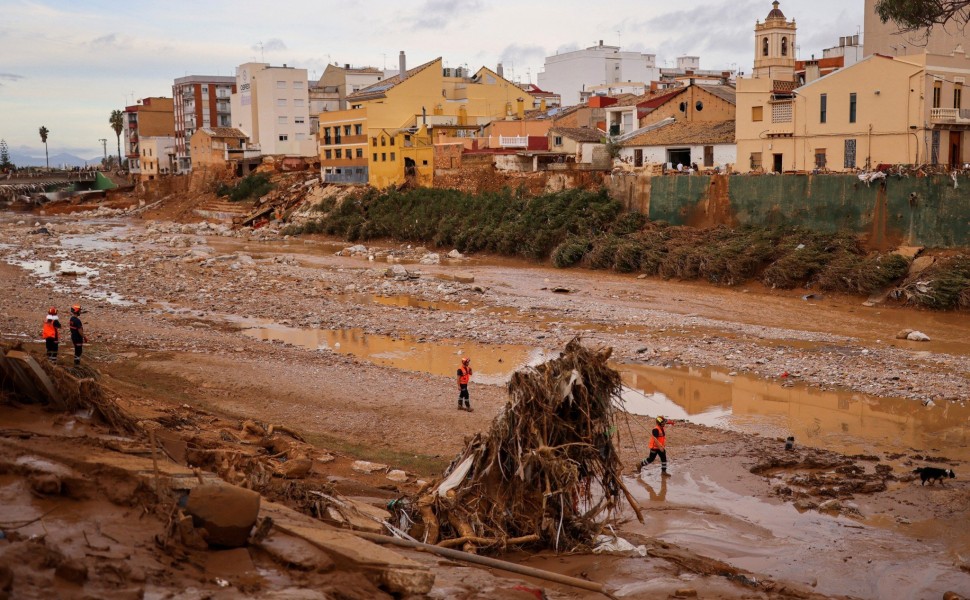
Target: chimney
x,y
424,115
542,104
841,41
601,42
403,65
812,71
500,70
347,66
520,107
855,40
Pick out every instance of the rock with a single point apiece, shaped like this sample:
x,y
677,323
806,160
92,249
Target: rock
x,y
296,552
72,570
226,512
464,278
45,484
903,333
430,259
297,468
190,536
560,290
952,596
921,263
685,593
358,249
397,272
398,476
917,336
456,254
362,466
831,505
908,251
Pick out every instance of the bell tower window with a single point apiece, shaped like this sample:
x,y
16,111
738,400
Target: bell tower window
x,y
764,47
784,46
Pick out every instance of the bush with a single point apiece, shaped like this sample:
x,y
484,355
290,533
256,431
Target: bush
x,y
570,252
254,185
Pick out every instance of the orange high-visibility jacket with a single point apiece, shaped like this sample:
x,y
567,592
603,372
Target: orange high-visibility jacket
x,y
466,375
658,442
50,331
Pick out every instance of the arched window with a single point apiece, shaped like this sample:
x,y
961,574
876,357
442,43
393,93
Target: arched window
x,y
764,47
784,46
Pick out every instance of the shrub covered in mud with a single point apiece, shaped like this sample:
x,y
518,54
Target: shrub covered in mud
x,y
504,222
252,186
945,285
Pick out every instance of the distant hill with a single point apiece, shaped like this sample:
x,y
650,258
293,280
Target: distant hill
x,y
60,159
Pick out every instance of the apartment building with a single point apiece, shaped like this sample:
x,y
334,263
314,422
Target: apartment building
x,y
156,157
149,117
200,101
331,91
271,106
387,133
571,73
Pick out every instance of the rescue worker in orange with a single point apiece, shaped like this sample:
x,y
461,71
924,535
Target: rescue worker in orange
x,y
52,334
77,333
464,376
658,446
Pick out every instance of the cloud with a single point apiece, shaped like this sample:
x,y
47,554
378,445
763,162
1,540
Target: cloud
x,y
271,45
11,76
110,40
439,14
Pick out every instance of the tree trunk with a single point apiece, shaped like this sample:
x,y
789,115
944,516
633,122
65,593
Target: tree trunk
x,y
46,158
119,151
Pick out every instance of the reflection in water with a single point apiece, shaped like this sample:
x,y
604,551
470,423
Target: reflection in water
x,y
492,364
838,420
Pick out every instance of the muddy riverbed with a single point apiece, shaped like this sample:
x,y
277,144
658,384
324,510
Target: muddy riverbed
x,y
252,325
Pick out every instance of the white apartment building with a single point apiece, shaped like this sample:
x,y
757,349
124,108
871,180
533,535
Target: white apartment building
x,y
271,105
156,157
571,73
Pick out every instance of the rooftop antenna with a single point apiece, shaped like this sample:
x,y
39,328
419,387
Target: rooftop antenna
x,y
384,54
619,39
262,55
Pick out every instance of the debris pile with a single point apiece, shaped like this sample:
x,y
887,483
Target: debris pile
x,y
545,473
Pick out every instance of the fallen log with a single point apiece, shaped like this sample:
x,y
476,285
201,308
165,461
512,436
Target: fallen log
x,y
490,562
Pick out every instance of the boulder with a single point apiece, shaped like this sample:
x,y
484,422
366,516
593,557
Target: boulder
x,y
296,468
917,336
362,466
921,263
398,476
226,512
456,254
430,259
903,333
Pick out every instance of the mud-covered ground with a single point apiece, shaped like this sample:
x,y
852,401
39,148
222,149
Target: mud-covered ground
x,y
187,314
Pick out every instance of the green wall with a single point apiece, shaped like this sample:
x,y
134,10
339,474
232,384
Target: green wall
x,y
924,211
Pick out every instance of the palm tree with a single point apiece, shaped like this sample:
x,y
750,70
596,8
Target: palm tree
x,y
117,122
43,137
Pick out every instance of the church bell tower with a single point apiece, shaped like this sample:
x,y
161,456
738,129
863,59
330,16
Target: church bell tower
x,y
774,47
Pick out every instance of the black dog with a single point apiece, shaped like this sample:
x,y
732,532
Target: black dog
x,y
933,474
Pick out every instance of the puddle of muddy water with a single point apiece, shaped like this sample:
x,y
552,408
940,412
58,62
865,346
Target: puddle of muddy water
x,y
833,552
839,420
493,364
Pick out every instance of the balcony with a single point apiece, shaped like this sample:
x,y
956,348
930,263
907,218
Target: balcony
x,y
513,141
955,116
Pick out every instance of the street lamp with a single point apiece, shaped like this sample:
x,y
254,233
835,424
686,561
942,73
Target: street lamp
x,y
104,147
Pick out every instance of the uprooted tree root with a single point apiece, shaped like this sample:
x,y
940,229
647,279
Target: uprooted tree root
x,y
545,473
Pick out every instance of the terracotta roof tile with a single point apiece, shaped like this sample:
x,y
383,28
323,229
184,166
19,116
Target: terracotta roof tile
x,y
224,132
693,133
579,134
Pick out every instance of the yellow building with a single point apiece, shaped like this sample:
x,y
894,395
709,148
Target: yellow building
x,y
391,124
882,110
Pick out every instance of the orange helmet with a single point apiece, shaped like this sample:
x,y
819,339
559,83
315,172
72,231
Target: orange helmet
x,y
465,360
76,309
52,311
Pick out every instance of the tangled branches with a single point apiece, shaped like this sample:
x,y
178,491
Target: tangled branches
x,y
544,474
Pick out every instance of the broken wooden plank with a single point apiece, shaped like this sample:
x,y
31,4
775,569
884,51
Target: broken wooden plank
x,y
46,385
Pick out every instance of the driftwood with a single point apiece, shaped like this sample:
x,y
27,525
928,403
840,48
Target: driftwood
x,y
545,475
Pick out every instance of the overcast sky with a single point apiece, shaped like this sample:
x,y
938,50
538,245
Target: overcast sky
x,y
66,64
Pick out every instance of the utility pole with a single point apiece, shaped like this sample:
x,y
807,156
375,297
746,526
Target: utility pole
x,y
104,146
